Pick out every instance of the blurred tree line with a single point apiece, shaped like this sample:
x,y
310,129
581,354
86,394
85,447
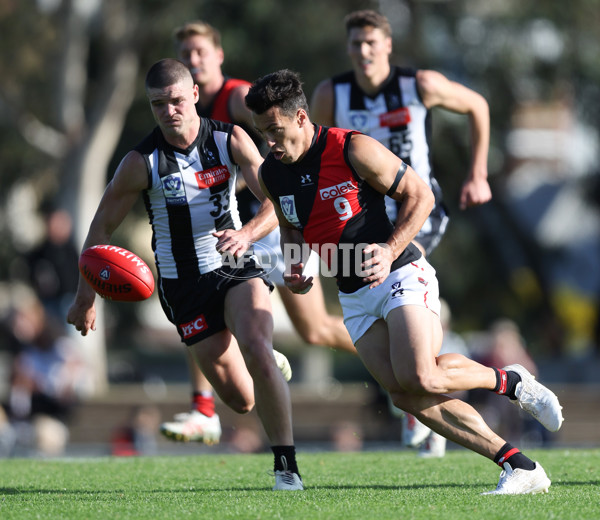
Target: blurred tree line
x,y
72,104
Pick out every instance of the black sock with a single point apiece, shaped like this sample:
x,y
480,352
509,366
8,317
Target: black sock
x,y
506,383
514,457
285,458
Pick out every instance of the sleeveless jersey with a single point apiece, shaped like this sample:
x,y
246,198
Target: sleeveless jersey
x,y
399,120
219,108
396,116
248,204
191,194
322,196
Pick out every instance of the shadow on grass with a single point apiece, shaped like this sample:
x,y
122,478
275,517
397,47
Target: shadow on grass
x,y
17,491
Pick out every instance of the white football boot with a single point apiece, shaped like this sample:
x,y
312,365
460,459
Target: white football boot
x,y
414,432
283,364
521,482
193,426
536,399
286,480
433,447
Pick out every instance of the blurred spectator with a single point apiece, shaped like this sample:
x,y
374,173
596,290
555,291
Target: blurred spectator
x,y
47,380
7,435
247,439
347,436
503,345
506,347
53,263
138,436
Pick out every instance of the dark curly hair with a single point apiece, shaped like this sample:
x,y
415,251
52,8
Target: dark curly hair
x,y
282,89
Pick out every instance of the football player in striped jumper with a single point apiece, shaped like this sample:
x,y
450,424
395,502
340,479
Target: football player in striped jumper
x,y
394,105
209,284
198,45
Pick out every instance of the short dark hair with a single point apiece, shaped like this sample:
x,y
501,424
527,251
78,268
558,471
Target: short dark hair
x,y
282,89
367,18
167,72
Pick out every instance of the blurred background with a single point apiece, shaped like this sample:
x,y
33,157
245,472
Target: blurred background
x,y
525,265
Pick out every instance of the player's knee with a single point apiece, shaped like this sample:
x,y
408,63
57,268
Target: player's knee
x,y
312,335
420,383
321,332
241,406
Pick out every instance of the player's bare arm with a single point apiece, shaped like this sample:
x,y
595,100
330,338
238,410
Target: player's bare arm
x,y
437,90
321,106
248,158
237,105
118,199
380,168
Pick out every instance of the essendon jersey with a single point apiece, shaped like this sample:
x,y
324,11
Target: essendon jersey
x,y
219,108
191,194
337,212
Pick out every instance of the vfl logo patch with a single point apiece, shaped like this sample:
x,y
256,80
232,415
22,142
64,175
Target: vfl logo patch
x,y
359,120
397,290
336,191
288,208
193,327
174,190
212,177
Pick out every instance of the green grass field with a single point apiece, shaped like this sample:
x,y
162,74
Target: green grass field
x,y
378,485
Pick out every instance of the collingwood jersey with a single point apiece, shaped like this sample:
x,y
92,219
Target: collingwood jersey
x,y
190,195
396,116
399,120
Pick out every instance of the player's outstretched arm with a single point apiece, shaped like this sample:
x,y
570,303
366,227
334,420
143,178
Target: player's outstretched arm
x,y
119,197
437,90
248,158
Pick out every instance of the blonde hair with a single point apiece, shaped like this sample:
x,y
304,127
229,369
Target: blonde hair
x,y
197,28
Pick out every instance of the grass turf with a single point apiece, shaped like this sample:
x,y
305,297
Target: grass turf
x,y
378,485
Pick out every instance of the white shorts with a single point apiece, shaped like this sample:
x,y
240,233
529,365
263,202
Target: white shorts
x,y
413,284
270,257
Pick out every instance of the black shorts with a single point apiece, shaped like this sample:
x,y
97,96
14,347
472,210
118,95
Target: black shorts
x,y
197,306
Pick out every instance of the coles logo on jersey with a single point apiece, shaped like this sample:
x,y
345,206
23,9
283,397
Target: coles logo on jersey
x,y
212,176
398,117
337,191
193,327
174,190
288,208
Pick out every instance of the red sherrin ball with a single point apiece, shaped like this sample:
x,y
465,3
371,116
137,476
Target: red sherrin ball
x,y
116,273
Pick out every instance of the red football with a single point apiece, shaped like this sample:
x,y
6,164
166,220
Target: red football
x,y
116,273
